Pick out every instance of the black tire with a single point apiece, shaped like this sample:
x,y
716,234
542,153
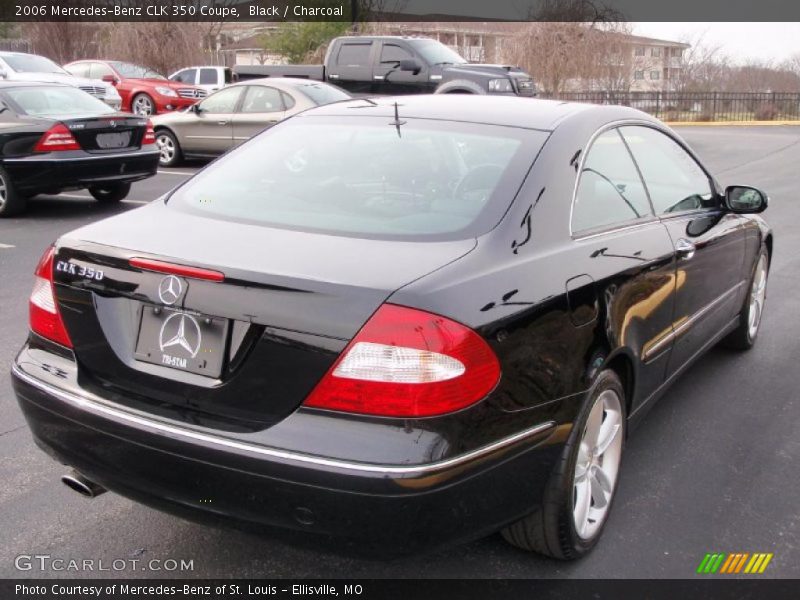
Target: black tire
x,y
11,202
550,529
743,337
139,101
110,193
165,140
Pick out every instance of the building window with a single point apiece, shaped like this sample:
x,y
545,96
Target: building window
x,y
639,51
677,52
638,74
655,52
655,75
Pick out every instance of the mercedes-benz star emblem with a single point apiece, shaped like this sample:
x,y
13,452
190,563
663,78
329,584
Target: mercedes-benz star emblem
x,y
170,289
181,330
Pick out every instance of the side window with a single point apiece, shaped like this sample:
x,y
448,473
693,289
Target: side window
x,y
208,77
391,54
674,179
185,76
262,99
288,101
610,190
224,101
79,70
99,70
354,55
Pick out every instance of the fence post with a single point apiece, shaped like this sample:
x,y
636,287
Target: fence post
x,y
658,104
714,107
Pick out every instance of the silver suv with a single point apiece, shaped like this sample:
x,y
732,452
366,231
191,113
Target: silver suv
x,y
18,66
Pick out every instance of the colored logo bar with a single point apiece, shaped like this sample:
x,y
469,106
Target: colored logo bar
x,y
734,562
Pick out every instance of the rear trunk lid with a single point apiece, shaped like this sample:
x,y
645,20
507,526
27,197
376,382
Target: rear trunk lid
x,y
108,134
287,306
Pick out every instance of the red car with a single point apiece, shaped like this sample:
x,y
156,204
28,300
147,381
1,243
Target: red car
x,y
143,91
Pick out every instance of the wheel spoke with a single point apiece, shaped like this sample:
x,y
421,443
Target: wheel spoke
x,y
582,464
608,432
594,423
601,488
583,502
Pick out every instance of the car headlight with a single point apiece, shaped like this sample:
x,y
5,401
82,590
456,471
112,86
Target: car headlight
x,y
500,85
165,91
112,93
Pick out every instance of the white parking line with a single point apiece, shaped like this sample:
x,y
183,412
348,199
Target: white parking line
x,y
181,173
5,246
81,197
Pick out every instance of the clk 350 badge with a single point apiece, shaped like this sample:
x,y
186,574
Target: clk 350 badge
x,y
64,266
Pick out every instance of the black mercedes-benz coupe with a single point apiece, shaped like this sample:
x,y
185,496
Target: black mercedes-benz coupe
x,y
398,322
55,138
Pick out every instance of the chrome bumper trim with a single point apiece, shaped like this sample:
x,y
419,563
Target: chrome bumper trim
x,y
100,407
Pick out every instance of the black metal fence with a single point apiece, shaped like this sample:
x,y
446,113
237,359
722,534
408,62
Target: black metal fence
x,y
700,106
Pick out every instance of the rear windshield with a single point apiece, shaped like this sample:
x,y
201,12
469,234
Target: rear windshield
x,y
322,93
41,101
360,176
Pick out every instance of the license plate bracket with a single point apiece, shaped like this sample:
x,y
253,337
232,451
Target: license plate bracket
x,y
182,340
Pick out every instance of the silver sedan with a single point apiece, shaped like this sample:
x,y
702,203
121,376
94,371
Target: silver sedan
x,y
235,114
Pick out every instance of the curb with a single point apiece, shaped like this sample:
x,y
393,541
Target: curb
x,y
731,123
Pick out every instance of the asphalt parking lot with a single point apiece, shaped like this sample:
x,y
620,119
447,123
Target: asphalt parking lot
x,y
712,469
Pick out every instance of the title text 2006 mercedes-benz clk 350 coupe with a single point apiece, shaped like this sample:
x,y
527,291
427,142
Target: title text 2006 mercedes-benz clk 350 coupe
x,y
403,322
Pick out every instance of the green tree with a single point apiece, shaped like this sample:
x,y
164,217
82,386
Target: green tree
x,y
296,41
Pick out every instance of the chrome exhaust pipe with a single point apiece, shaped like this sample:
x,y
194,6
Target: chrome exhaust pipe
x,y
85,487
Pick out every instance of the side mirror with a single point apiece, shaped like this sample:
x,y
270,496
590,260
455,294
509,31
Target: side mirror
x,y
3,73
195,108
409,65
110,79
744,199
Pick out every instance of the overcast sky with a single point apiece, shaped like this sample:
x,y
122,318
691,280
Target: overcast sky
x,y
741,41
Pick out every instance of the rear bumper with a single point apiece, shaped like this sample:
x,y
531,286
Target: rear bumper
x,y
45,173
388,508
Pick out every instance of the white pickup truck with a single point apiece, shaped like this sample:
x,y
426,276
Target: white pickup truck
x,y
209,78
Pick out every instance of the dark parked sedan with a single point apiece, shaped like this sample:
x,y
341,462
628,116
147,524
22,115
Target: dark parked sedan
x,y
55,138
399,322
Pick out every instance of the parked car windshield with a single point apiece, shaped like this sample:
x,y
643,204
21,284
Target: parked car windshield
x,y
365,177
321,93
29,63
436,53
61,101
128,70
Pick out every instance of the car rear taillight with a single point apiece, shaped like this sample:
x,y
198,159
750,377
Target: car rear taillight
x,y
44,316
408,363
149,134
57,139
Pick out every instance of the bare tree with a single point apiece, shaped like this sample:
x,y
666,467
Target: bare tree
x,y
162,46
703,67
62,41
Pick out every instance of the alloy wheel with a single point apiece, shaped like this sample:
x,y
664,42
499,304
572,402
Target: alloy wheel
x,y
142,105
3,191
167,148
758,293
597,465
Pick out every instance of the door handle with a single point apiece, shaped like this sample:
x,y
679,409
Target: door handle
x,y
685,249
378,77
222,122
